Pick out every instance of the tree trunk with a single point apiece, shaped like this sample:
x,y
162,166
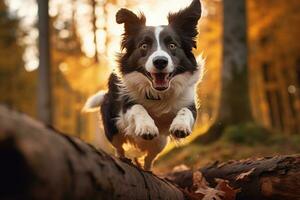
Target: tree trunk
x,y
235,102
234,107
276,178
41,163
44,72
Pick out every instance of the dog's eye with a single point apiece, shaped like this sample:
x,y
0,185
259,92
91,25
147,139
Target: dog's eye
x,y
144,46
172,46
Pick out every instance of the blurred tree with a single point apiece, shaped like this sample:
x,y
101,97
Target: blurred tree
x,y
274,86
16,85
94,24
8,40
44,83
65,47
235,102
209,44
74,75
234,107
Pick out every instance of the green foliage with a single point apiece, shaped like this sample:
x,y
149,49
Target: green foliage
x,y
247,133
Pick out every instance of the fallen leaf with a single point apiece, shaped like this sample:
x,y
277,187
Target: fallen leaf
x,y
198,180
210,193
180,168
200,186
192,195
245,175
229,192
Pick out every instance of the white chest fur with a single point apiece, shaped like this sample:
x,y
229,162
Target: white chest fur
x,y
162,106
180,94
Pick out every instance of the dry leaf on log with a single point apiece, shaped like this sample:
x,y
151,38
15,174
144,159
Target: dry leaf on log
x,y
229,192
245,175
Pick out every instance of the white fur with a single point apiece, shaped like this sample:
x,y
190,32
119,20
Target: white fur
x,y
159,52
136,122
94,102
183,121
201,62
180,94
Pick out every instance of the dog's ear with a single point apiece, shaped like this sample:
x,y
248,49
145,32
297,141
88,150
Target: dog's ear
x,y
185,22
132,22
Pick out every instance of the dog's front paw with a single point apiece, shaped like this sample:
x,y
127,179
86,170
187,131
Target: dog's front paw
x,y
147,130
180,129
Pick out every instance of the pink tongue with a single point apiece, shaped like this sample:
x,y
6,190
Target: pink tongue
x,y
160,78
160,81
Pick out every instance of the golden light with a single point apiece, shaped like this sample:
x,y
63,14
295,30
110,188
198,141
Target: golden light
x,y
156,13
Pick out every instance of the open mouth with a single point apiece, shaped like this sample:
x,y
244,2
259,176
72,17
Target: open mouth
x,y
160,81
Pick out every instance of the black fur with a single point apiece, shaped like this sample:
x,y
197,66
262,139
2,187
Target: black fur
x,y
132,25
193,109
185,23
112,105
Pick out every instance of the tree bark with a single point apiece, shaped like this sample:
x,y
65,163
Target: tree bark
x,y
38,162
276,178
44,72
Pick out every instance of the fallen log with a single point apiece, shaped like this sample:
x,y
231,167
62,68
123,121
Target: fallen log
x,y
276,178
38,162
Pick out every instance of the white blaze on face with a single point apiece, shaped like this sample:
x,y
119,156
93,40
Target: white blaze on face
x,y
157,53
160,77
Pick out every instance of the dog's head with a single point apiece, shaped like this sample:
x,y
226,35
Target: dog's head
x,y
159,52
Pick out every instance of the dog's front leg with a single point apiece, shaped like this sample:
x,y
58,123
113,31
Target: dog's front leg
x,y
140,122
183,123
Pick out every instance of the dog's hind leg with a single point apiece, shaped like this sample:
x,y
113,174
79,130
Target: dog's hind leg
x,y
117,142
149,159
153,151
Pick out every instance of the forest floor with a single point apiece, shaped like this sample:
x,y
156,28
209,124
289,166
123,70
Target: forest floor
x,y
236,143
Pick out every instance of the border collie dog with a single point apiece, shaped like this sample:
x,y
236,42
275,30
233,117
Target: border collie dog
x,y
153,96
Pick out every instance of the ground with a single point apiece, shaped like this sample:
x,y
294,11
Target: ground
x,y
237,142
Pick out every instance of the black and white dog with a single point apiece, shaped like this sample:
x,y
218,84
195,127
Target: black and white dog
x,y
153,96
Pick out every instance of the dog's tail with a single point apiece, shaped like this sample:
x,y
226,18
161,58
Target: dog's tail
x,y
94,102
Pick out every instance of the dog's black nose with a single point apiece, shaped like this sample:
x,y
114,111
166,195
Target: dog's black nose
x,y
160,62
